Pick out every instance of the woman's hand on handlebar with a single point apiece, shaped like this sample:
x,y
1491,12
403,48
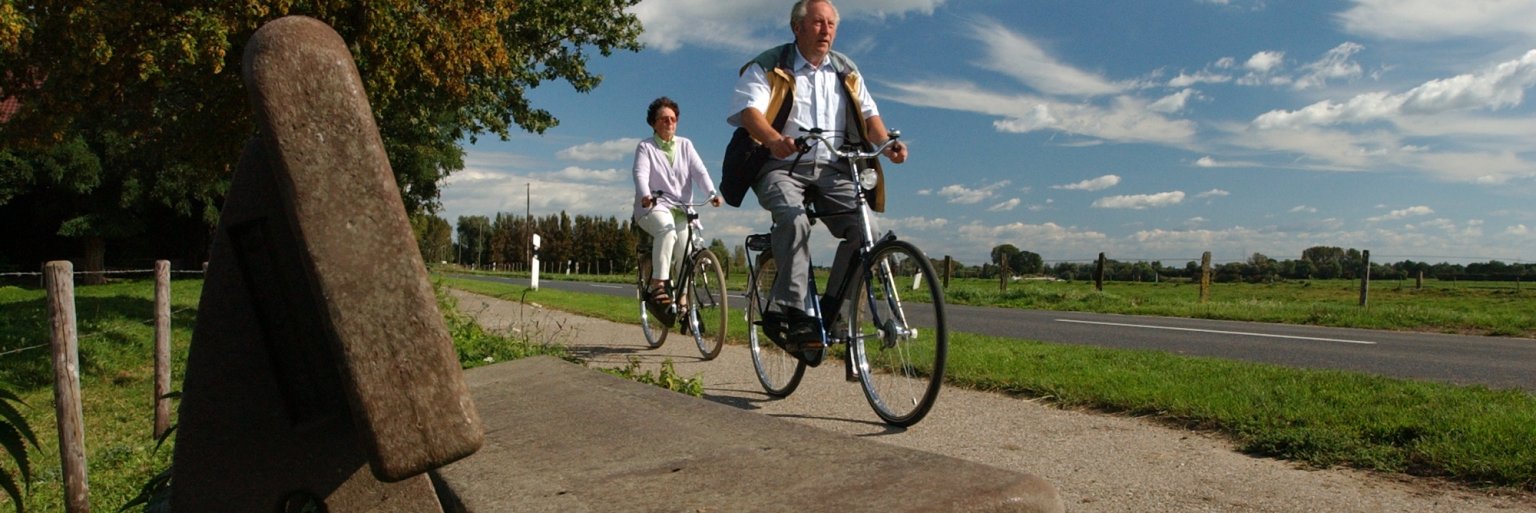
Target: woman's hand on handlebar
x,y
714,201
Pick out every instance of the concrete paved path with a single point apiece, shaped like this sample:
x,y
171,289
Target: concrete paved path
x,y
1098,462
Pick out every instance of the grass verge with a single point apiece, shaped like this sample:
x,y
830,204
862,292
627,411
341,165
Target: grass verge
x,y
1321,418
116,333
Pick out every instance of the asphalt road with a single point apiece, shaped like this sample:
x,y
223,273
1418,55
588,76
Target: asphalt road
x,y
1497,362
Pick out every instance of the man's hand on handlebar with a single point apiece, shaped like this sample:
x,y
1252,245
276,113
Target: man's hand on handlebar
x,y
896,152
782,148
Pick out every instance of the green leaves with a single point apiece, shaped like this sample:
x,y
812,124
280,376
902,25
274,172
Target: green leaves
x,y
14,433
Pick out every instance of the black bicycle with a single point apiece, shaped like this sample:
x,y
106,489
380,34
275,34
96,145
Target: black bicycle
x,y
895,335
697,294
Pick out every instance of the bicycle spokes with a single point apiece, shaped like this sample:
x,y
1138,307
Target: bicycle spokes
x,y
899,346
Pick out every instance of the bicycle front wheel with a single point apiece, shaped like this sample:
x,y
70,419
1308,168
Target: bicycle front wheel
x,y
708,313
778,371
899,341
650,324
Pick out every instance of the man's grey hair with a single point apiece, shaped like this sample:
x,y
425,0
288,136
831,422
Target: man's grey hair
x,y
797,13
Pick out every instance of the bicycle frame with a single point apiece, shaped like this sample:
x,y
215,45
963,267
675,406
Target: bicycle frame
x,y
857,165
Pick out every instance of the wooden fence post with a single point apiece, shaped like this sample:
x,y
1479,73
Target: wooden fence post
x,y
59,277
162,347
949,269
1365,277
1098,274
1205,277
1418,284
1002,272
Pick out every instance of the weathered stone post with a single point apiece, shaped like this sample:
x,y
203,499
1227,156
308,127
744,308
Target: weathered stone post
x,y
321,375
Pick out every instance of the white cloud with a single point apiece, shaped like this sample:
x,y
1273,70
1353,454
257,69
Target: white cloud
x,y
962,195
1015,55
915,223
1200,77
1174,102
1518,230
1211,162
1414,211
1033,237
1335,64
1430,20
1213,193
1265,62
1499,86
1141,201
744,27
1092,184
1005,206
581,174
1303,209
617,149
1126,119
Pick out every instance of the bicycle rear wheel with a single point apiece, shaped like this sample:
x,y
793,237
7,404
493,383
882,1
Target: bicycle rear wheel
x,y
778,371
708,313
899,339
650,324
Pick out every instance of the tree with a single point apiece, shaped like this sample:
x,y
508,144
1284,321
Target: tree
x,y
717,247
474,247
1029,263
153,91
434,236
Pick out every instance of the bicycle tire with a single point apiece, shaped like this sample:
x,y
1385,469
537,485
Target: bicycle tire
x,y
650,324
708,308
899,346
778,371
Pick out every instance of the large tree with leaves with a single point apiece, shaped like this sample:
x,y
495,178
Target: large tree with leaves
x,y
133,105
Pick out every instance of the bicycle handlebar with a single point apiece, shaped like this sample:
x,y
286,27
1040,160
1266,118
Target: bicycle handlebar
x,y
658,195
803,144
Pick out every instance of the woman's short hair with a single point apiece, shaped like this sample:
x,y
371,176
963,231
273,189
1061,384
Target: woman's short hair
x,y
657,104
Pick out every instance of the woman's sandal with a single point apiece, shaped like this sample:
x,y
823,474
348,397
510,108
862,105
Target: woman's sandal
x,y
658,294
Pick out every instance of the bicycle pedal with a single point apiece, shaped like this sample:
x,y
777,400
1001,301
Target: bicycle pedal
x,y
812,358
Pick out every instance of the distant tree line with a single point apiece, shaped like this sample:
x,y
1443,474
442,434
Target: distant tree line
x,y
588,244
1317,262
610,246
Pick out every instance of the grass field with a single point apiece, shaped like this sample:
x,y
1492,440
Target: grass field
x,y
116,331
1474,308
1322,418
1481,309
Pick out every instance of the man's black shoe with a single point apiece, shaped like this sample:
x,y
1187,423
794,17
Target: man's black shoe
x,y
776,326
804,335
794,331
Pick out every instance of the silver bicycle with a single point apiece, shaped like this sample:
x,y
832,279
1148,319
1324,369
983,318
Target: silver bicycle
x,y
895,335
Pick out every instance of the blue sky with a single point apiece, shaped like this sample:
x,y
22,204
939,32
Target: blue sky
x,y
1146,130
